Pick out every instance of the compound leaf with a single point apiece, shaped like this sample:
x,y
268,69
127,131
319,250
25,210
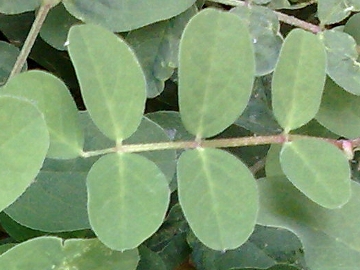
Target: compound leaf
x,y
216,72
24,141
209,180
111,80
298,79
128,196
319,170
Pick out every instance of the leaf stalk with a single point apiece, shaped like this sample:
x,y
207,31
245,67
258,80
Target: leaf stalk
x,y
214,143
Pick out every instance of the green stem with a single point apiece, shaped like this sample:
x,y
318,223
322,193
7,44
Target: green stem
x,y
216,143
30,40
281,16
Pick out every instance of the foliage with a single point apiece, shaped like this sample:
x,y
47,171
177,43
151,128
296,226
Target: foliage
x,y
249,169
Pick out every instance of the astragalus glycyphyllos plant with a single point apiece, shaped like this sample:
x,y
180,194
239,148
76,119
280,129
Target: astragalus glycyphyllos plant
x,y
256,169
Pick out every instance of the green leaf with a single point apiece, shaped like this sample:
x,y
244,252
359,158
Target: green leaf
x,y
249,155
314,128
277,4
56,27
150,260
111,80
272,165
352,27
298,79
262,2
56,103
209,180
124,15
170,240
15,230
339,111
59,194
16,27
333,11
342,64
284,267
319,170
258,116
8,56
216,72
24,141
58,63
128,196
157,48
266,247
54,253
94,138
18,6
6,247
264,29
60,185
331,238
150,132
170,121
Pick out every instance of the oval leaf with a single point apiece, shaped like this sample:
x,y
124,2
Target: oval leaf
x,y
342,64
272,165
24,141
8,56
157,48
128,196
59,194
340,111
298,79
352,27
216,72
333,11
55,253
209,182
319,170
111,80
54,100
56,27
264,29
124,15
18,6
330,237
64,183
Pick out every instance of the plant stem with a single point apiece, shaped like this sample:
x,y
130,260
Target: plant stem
x,y
30,40
215,143
281,16
297,22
